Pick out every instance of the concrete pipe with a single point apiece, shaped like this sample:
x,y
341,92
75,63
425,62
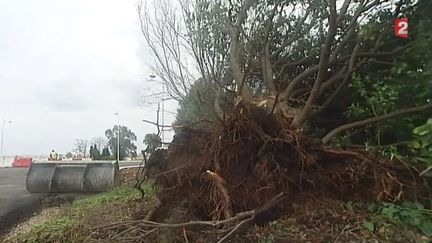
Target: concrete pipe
x,y
66,177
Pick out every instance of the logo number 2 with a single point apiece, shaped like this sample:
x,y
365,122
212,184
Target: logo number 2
x,y
401,28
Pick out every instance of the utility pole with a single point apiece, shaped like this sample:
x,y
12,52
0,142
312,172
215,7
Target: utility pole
x,y
4,121
163,109
163,113
118,136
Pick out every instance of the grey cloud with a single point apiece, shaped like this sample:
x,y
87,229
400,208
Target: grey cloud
x,y
66,67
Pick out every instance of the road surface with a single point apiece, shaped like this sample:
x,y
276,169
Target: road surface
x,y
15,201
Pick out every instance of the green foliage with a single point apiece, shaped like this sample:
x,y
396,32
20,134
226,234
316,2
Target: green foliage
x,y
106,155
409,214
393,83
380,98
127,139
422,142
349,205
376,98
94,152
153,141
391,152
198,104
378,91
369,226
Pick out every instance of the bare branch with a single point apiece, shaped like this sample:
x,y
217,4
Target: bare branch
x,y
235,30
323,64
162,33
351,68
334,79
156,124
373,120
239,219
267,69
343,10
299,29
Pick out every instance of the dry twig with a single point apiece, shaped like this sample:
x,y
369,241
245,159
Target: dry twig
x,y
242,218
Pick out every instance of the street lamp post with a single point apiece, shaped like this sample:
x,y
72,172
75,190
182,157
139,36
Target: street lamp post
x,y
2,134
163,109
118,136
163,113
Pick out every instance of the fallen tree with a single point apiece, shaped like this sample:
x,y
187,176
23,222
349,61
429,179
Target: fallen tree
x,y
272,71
218,175
254,156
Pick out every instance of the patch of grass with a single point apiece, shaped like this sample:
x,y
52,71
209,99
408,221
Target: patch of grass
x,y
52,230
117,195
57,224
73,223
149,188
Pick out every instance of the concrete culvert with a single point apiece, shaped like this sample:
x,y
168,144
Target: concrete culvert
x,y
66,177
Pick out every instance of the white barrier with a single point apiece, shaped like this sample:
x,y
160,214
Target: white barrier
x,y
6,162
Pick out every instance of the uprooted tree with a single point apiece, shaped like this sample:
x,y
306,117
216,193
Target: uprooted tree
x,y
285,78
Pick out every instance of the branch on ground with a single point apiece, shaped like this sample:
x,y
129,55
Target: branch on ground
x,y
239,219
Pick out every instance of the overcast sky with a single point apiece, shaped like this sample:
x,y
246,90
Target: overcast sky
x,y
65,68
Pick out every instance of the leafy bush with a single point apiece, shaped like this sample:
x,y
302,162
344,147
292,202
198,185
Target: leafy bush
x,y
410,214
422,143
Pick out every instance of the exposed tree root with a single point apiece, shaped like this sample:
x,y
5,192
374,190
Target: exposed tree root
x,y
255,156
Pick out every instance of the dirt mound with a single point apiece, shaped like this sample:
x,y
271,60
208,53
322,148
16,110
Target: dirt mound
x,y
255,156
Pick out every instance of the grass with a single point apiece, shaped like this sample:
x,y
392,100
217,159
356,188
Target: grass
x,y
53,230
326,220
72,225
118,195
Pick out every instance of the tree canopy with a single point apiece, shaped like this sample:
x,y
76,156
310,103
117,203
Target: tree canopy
x,y
152,141
127,139
329,67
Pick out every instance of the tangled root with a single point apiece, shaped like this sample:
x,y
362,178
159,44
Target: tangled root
x,y
254,156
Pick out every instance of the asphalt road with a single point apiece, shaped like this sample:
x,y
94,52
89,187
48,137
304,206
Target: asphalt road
x,y
12,186
15,201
